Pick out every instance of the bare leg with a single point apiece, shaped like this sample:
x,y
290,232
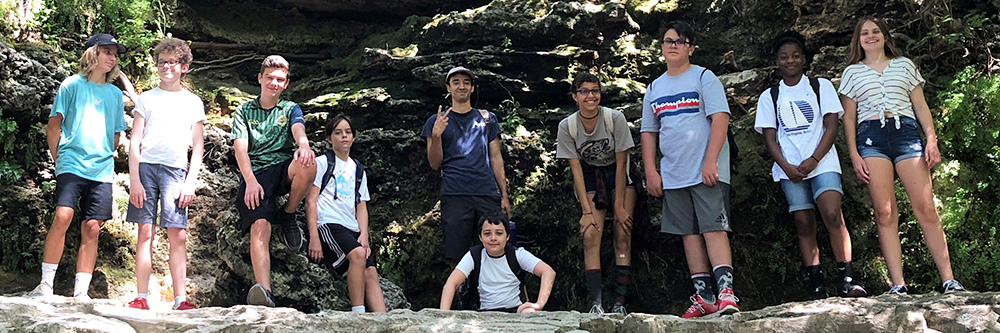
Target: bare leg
x,y
144,256
717,243
178,259
696,254
55,239
373,291
623,234
805,225
302,178
260,257
87,257
828,204
916,179
592,240
356,276
886,216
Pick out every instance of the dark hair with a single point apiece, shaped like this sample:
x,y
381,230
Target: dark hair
x,y
332,123
788,37
583,77
856,54
494,218
683,30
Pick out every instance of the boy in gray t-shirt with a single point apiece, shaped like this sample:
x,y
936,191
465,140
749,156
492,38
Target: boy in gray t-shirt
x,y
686,109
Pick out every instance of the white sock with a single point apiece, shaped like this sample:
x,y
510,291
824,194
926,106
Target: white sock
x,y
178,300
143,295
82,284
359,308
49,273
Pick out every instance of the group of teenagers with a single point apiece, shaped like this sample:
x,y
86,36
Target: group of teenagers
x,y
684,113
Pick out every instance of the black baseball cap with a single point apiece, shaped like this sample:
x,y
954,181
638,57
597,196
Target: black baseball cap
x,y
103,39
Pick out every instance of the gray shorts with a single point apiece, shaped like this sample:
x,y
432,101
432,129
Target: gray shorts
x,y
163,186
696,209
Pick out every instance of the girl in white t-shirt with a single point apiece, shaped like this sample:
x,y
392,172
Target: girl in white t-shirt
x,y
799,136
498,285
337,218
884,113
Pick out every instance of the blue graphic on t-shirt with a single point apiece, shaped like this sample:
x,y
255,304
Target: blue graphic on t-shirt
x,y
797,117
345,187
685,102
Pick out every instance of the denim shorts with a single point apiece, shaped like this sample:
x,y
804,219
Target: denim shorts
x,y
802,195
887,142
163,186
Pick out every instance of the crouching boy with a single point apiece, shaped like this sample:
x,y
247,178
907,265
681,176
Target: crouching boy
x,y
492,269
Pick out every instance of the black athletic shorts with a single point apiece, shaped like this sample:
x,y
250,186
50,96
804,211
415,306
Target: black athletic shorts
x,y
459,214
274,180
337,242
94,197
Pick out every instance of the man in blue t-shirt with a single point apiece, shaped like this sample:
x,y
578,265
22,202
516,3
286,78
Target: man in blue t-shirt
x,y
465,144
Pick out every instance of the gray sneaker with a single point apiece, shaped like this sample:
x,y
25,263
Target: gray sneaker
x,y
260,296
81,296
951,286
42,290
596,308
897,290
619,308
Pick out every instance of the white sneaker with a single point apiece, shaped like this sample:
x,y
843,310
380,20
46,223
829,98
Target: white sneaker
x,y
43,289
81,296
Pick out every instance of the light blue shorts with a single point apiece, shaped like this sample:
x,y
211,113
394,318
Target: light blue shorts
x,y
163,187
802,195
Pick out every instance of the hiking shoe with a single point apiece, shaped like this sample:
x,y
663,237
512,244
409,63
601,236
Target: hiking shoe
x,y
896,290
293,235
185,305
260,296
726,302
596,308
43,289
819,293
619,308
699,308
81,297
139,303
849,289
951,286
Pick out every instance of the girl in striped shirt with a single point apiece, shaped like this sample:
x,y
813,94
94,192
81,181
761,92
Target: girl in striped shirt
x,y
884,112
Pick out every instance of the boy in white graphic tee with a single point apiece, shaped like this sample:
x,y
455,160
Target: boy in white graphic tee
x,y
337,218
167,120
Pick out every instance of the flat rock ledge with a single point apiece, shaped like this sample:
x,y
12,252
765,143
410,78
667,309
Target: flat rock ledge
x,y
958,312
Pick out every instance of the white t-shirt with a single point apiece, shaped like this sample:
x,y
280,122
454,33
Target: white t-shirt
x,y
498,286
169,117
341,211
801,123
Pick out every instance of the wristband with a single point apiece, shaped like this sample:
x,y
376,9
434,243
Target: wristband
x,y
814,157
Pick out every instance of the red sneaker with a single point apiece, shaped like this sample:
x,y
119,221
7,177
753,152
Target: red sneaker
x,y
726,302
699,308
139,303
185,305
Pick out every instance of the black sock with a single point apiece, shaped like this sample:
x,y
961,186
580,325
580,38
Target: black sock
x,y
703,286
594,285
621,282
844,271
815,276
723,277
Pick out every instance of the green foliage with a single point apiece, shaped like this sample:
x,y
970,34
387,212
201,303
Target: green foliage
x,y
9,169
509,120
969,185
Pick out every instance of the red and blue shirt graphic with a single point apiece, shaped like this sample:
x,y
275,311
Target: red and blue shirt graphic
x,y
672,105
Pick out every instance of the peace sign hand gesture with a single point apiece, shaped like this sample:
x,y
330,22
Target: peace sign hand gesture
x,y
441,122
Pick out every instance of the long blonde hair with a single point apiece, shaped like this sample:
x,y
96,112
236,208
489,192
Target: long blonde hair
x,y
88,62
857,54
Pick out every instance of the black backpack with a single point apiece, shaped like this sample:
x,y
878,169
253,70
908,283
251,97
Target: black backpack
x,y
359,173
470,299
734,151
813,82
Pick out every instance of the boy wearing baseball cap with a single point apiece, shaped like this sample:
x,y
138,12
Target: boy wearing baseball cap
x,y
84,126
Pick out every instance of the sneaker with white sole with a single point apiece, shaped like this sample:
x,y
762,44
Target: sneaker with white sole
x,y
951,286
42,290
897,290
596,308
619,308
699,308
726,302
849,289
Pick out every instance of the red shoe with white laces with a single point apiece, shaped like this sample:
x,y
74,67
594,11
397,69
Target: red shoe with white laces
x,y
185,305
726,302
699,308
139,303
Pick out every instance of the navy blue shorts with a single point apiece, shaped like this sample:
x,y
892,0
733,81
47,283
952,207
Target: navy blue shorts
x,y
875,140
94,197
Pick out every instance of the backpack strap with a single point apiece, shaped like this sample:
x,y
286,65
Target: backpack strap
x,y
572,125
359,174
476,252
511,253
485,114
814,83
774,100
331,162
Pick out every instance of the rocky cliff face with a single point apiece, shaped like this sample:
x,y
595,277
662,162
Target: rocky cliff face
x,y
383,63
963,312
